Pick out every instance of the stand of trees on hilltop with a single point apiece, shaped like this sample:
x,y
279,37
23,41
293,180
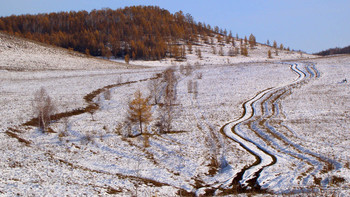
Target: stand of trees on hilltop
x,y
142,32
345,50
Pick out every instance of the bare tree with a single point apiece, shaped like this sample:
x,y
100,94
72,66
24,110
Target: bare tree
x,y
182,69
43,108
166,113
213,50
189,86
91,109
188,69
165,118
236,51
170,89
221,51
199,53
183,52
195,89
231,52
154,88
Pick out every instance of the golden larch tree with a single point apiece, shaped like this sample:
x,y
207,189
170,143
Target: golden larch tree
x,y
275,44
127,58
252,41
139,110
269,54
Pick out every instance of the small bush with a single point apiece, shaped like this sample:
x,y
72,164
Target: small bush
x,y
336,180
199,75
107,95
88,138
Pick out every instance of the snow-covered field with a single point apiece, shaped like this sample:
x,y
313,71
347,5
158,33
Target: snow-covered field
x,y
306,115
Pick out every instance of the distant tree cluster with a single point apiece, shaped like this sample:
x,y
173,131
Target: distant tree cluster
x,y
345,50
141,32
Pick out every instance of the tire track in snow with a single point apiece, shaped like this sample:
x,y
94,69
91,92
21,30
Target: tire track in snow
x,y
319,163
247,178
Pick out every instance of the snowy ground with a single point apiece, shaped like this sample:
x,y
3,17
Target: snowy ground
x,y
22,55
258,53
94,159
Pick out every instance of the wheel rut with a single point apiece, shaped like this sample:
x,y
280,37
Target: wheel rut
x,y
257,131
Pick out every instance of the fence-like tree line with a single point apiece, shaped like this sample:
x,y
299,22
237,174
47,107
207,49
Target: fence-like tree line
x,y
142,32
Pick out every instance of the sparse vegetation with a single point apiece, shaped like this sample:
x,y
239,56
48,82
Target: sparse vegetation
x,y
107,95
221,51
44,108
170,88
199,53
244,51
175,124
154,87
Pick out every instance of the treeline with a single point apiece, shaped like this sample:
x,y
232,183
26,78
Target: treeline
x,y
333,51
141,32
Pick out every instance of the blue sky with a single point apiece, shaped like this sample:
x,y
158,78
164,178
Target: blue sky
x,y
308,25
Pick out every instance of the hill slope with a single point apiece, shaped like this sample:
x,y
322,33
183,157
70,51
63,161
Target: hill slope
x,y
141,32
22,54
138,32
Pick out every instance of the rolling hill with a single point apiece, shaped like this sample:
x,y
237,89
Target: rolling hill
x,y
142,32
135,33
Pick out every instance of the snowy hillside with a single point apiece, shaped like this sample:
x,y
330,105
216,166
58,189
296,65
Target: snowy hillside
x,y
210,54
249,125
21,54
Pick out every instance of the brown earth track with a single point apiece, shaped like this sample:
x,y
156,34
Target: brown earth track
x,y
91,107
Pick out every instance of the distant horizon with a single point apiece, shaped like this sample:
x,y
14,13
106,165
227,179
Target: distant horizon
x,y
310,26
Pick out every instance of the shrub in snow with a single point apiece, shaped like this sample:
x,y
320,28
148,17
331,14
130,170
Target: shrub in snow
x,y
86,139
107,95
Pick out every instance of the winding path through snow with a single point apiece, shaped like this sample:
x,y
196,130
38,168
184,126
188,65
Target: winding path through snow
x,y
266,145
